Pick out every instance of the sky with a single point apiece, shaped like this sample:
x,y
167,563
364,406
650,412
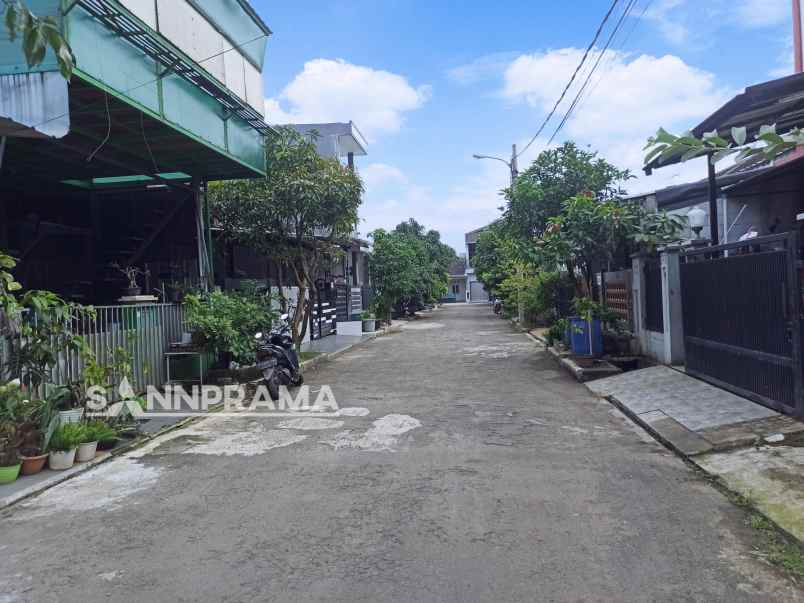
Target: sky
x,y
431,82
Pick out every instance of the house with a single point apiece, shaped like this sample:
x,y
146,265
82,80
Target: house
x,y
111,168
732,311
475,291
342,287
457,281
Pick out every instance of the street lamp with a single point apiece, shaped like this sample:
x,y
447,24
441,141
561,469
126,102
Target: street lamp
x,y
697,219
512,165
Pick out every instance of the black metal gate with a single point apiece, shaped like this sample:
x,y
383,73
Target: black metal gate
x,y
654,310
741,307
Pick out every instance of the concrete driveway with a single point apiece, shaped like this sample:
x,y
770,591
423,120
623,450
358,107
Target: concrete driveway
x,y
479,473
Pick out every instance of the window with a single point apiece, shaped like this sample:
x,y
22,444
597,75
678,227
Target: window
x,y
456,288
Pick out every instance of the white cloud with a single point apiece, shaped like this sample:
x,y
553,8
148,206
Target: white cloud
x,y
625,104
335,90
482,68
763,13
378,174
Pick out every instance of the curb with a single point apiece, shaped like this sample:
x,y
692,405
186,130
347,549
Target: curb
x,y
63,476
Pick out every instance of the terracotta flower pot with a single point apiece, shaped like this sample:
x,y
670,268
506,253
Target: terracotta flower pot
x,y
31,465
62,459
86,452
9,474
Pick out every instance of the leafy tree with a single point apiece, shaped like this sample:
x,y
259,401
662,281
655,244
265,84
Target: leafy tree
x,y
767,144
409,267
37,34
297,215
589,232
555,176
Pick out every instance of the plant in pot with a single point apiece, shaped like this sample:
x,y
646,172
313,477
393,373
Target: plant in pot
x,y
131,273
9,453
67,402
104,434
369,321
63,445
88,447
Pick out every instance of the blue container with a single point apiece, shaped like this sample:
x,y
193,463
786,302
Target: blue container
x,y
579,337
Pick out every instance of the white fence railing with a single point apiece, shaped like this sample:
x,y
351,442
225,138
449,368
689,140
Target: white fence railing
x,y
144,331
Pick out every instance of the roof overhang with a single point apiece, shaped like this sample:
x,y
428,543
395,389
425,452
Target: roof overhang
x,y
779,102
123,143
337,139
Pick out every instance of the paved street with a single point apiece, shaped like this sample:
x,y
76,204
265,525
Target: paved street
x,y
480,473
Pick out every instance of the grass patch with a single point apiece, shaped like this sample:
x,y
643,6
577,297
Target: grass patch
x,y
308,355
775,548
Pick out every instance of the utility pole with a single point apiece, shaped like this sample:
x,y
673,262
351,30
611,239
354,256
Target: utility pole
x,y
514,167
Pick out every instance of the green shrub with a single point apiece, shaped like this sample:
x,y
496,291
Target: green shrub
x,y
98,431
66,437
227,321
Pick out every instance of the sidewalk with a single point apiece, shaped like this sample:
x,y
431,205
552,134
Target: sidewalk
x,y
755,451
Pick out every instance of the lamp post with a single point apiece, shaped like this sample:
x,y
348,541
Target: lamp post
x,y
512,165
697,219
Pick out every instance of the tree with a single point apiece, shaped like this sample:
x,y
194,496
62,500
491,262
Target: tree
x,y
37,34
767,144
409,267
555,176
590,232
297,215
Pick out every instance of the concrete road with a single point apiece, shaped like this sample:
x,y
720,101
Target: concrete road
x,y
480,473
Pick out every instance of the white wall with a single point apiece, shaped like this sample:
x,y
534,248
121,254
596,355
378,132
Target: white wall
x,y
180,23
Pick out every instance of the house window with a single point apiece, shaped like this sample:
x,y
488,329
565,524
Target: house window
x,y
456,288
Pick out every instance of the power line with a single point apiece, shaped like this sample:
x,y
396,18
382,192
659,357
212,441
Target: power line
x,y
611,57
572,79
600,56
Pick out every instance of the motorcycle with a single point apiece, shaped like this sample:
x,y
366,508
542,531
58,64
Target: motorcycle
x,y
498,307
277,358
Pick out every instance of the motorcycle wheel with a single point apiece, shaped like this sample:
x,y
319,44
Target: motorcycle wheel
x,y
299,380
273,386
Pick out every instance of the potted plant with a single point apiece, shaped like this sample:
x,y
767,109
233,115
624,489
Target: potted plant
x,y
131,273
66,401
105,434
369,320
9,453
94,432
63,445
32,449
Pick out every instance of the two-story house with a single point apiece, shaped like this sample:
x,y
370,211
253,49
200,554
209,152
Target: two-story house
x,y
110,167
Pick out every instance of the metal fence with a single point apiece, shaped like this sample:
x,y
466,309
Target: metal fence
x,y
617,294
143,331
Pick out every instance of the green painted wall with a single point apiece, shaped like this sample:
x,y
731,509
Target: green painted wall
x,y
114,63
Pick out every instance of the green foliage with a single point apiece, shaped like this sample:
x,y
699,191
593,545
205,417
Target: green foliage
x,y
367,315
558,331
297,215
38,326
229,320
590,233
555,176
767,144
67,436
98,431
409,267
37,34
9,444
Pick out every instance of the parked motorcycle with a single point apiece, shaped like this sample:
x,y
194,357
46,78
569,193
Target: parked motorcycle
x,y
498,307
277,358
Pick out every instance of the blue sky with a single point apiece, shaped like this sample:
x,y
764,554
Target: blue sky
x,y
432,82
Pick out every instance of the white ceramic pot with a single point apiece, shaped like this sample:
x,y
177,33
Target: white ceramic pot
x,y
71,416
86,452
60,460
